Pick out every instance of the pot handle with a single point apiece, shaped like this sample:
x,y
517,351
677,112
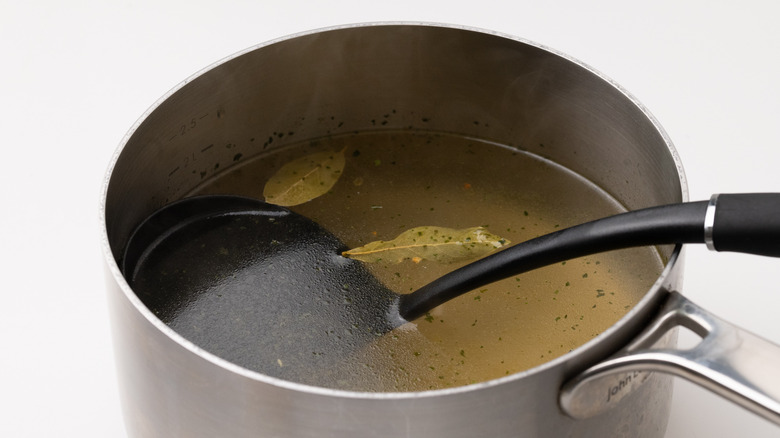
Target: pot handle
x,y
728,361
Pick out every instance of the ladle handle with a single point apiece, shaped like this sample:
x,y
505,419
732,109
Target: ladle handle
x,y
748,222
735,222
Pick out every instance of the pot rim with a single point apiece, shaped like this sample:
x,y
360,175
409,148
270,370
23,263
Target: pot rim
x,y
639,308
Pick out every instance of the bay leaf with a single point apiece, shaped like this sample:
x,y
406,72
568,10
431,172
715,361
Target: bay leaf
x,y
440,244
305,178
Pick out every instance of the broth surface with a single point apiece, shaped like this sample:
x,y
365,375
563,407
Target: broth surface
x,y
394,181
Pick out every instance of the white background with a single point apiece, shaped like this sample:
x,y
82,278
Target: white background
x,y
75,75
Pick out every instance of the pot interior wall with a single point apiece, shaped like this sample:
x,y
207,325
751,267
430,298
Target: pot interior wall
x,y
387,77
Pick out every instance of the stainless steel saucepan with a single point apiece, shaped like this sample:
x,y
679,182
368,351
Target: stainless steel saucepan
x,y
618,384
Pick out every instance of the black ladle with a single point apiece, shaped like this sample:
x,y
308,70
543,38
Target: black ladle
x,y
205,260
748,223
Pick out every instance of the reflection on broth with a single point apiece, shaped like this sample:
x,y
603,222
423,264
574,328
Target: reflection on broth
x,y
394,181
